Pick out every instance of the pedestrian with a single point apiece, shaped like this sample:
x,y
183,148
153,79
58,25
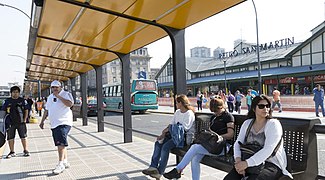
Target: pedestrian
x,y
58,111
249,98
319,99
222,122
183,115
260,129
238,97
30,107
230,101
276,99
253,92
199,100
17,108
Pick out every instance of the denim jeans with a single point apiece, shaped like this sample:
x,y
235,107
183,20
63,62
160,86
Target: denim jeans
x,y
321,104
195,155
160,155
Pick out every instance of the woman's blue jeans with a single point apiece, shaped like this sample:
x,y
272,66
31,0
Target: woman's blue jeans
x,y
160,155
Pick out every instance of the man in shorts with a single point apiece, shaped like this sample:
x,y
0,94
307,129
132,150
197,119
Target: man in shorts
x,y
17,108
58,111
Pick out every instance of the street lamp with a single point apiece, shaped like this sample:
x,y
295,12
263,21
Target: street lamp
x,y
258,54
225,71
13,55
6,5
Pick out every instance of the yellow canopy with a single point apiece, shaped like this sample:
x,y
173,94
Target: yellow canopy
x,y
71,39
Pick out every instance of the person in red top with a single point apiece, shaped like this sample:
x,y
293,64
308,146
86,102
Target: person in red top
x,y
276,99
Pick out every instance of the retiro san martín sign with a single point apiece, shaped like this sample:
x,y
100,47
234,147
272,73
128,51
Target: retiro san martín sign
x,y
252,48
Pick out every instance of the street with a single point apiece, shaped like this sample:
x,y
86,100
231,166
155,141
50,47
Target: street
x,y
151,124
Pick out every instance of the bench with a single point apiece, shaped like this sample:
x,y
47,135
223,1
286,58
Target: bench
x,y
300,143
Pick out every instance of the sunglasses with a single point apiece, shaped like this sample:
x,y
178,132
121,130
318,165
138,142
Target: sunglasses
x,y
262,106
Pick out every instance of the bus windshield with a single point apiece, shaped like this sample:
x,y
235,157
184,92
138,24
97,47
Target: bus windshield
x,y
145,85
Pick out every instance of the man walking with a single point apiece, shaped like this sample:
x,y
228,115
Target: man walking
x,y
319,99
17,108
60,115
276,99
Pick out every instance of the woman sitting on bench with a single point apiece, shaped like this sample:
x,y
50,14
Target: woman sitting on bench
x,y
222,123
185,116
261,130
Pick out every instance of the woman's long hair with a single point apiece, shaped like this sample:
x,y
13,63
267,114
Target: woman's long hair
x,y
251,114
182,98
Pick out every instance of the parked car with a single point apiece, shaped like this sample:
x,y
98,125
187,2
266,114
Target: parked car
x,y
92,107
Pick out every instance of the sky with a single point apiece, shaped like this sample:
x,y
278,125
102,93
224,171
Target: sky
x,y
277,19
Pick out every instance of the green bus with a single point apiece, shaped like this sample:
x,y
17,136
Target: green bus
x,y
144,96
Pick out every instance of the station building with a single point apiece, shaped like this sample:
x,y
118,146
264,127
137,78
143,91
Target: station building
x,y
292,67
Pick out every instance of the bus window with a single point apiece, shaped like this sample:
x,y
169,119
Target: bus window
x,y
118,91
110,91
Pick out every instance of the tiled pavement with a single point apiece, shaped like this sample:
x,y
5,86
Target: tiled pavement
x,y
92,155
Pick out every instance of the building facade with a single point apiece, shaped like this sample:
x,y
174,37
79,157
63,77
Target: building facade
x,y
202,52
294,68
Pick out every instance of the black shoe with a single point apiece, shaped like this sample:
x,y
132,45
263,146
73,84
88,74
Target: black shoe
x,y
317,115
10,155
26,153
280,111
172,174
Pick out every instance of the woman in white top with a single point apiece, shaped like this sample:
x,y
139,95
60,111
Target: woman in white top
x,y
185,116
266,132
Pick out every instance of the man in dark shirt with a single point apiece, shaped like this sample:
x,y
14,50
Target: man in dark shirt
x,y
17,108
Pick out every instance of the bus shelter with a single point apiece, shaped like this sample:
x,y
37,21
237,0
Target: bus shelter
x,y
70,37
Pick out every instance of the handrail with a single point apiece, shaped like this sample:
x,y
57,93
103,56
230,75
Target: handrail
x,y
319,128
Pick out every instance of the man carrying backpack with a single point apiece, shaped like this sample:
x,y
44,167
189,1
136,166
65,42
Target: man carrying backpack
x,y
17,108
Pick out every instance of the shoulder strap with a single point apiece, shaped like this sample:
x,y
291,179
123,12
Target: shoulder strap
x,y
249,129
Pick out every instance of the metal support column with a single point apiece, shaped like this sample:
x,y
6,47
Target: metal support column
x,y
178,59
99,87
127,118
73,92
83,84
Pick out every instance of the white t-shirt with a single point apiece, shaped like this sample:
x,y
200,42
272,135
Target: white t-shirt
x,y
186,119
58,113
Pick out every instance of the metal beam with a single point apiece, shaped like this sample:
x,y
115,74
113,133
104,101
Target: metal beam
x,y
76,44
178,59
51,67
50,74
83,83
62,59
107,11
99,86
127,117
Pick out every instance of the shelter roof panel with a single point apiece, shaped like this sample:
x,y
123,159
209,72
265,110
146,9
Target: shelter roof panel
x,y
50,70
46,77
84,54
45,47
194,11
139,39
63,15
55,63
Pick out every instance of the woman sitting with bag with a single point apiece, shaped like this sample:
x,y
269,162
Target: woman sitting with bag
x,y
222,123
184,115
263,135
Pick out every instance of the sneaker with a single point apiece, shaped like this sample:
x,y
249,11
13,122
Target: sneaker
x,y
157,176
10,155
58,169
67,165
172,174
150,170
280,111
26,153
317,115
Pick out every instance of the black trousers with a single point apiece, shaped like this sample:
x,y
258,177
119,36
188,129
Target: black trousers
x,y
269,172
